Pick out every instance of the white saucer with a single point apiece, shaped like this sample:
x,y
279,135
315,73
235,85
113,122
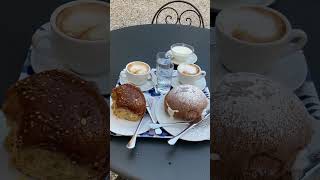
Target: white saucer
x,y
218,5
43,60
200,83
191,60
290,71
125,127
144,87
200,132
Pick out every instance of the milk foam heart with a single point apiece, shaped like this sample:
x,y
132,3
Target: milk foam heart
x,y
253,25
138,68
189,69
87,21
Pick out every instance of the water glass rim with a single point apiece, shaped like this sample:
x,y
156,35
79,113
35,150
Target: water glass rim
x,y
164,54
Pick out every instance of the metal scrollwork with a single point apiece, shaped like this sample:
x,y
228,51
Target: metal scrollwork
x,y
182,18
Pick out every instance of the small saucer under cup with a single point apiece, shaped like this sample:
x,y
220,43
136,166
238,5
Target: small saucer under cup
x,y
200,83
43,59
149,84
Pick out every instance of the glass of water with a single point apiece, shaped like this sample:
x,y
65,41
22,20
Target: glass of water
x,y
164,73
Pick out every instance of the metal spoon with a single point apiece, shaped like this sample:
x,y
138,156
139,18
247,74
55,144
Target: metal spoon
x,y
173,140
158,131
132,143
155,125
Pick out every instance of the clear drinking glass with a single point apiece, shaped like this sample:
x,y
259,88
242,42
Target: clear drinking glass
x,y
164,73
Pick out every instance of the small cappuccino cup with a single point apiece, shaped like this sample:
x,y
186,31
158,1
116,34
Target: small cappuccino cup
x,y
189,73
79,36
254,38
137,72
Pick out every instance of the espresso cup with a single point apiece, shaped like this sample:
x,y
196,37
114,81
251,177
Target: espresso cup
x,y
181,51
189,73
137,72
84,53
244,46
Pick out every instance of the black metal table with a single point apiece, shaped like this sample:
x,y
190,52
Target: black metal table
x,y
154,158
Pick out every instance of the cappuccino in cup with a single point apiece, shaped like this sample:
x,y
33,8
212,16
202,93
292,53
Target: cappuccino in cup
x,y
253,38
79,36
138,72
86,21
254,25
188,73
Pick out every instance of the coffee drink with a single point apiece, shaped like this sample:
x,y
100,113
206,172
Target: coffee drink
x,y
137,72
189,73
78,37
138,68
254,25
189,69
86,21
254,38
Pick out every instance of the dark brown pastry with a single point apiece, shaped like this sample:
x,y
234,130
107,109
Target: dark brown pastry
x,y
128,102
59,127
258,129
186,102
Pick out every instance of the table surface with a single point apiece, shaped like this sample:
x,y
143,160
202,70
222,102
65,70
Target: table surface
x,y
153,156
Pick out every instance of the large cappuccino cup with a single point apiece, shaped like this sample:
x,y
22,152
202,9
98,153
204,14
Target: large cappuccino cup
x,y
238,51
79,54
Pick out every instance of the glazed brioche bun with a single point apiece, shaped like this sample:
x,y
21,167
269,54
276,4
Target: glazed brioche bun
x,y
186,102
258,129
58,127
128,102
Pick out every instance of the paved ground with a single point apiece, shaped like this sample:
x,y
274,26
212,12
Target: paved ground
x,y
124,13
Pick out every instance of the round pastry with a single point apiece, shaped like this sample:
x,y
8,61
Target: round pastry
x,y
128,102
58,127
258,128
186,102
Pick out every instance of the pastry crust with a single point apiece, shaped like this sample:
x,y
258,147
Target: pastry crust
x,y
186,102
128,102
258,127
57,112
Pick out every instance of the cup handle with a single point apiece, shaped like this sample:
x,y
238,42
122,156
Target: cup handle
x,y
203,73
38,37
297,40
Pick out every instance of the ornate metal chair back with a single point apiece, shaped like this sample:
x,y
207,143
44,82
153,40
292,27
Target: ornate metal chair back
x,y
173,16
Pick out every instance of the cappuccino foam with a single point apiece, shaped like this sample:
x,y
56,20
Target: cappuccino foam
x,y
138,68
252,24
189,69
87,21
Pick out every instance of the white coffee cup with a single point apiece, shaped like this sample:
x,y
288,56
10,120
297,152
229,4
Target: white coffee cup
x,y
189,73
81,55
181,51
239,55
137,72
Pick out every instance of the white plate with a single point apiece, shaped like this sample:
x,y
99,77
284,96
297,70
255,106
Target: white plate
x,y
201,83
191,60
200,132
290,71
43,60
125,127
222,4
144,87
312,174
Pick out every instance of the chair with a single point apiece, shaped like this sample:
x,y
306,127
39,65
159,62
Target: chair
x,y
181,18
